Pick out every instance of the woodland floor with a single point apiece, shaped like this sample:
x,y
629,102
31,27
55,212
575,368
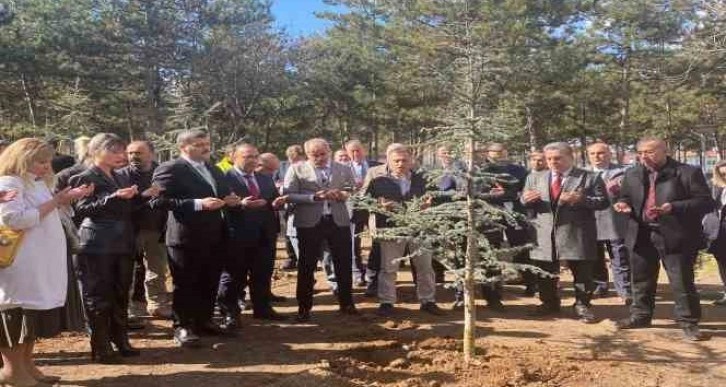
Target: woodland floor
x,y
414,349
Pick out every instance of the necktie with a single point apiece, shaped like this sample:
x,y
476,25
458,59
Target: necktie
x,y
556,187
648,213
251,186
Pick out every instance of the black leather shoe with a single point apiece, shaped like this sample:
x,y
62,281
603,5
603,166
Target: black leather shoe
x,y
212,329
545,310
270,314
277,299
185,338
349,310
584,314
303,315
692,333
632,323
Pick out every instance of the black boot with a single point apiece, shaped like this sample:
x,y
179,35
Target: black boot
x,y
101,350
120,335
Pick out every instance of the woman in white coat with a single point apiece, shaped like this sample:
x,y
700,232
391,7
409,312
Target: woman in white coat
x,y
37,278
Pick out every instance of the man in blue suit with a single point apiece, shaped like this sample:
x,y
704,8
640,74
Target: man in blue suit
x,y
253,231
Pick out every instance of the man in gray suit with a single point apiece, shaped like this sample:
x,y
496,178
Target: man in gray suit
x,y
319,189
563,201
611,227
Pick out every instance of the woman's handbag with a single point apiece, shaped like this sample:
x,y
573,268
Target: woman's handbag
x,y
9,243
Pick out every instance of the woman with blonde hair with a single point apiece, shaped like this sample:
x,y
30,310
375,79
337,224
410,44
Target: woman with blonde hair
x,y
36,280
714,225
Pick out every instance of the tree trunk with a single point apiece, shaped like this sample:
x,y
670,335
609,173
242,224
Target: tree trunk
x,y
472,250
28,99
531,130
471,257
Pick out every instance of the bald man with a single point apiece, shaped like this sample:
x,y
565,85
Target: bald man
x,y
665,201
268,164
611,227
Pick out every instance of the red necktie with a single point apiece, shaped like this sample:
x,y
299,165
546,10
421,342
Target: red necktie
x,y
556,187
251,186
648,214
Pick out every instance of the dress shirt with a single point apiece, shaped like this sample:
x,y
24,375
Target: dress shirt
x,y
323,176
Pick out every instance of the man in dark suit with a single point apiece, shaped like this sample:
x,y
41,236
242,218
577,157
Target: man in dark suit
x,y
319,188
253,234
506,195
611,227
665,201
563,202
194,192
360,165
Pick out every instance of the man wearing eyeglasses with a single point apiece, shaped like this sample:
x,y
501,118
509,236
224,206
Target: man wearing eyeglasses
x,y
319,189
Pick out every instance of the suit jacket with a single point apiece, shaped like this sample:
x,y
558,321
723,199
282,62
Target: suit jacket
x,y
683,186
144,217
566,232
379,184
181,184
106,226
610,224
301,183
249,225
511,190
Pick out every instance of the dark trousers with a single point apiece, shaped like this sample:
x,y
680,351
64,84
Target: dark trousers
x,y
583,284
247,263
311,250
195,272
138,291
105,283
645,259
619,264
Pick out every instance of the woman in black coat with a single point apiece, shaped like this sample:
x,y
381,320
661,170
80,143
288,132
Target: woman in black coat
x,y
107,247
715,225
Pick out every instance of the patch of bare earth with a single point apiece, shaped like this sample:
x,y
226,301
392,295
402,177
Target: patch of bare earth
x,y
415,349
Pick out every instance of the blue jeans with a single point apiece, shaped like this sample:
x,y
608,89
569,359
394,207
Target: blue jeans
x,y
619,265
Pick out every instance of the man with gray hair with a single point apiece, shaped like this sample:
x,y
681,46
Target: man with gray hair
x,y
319,189
194,192
563,202
391,184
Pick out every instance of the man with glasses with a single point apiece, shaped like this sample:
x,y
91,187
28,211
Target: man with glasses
x,y
319,188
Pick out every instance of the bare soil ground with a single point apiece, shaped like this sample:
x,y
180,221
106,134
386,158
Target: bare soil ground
x,y
415,349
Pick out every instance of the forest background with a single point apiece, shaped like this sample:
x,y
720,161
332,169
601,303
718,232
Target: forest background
x,y
571,70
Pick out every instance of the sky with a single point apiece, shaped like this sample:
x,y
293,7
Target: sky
x,y
297,17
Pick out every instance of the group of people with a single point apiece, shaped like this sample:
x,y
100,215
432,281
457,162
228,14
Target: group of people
x,y
214,230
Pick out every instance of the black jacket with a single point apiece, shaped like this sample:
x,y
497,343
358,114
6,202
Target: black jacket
x,y
144,217
382,185
249,225
181,184
106,226
683,186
